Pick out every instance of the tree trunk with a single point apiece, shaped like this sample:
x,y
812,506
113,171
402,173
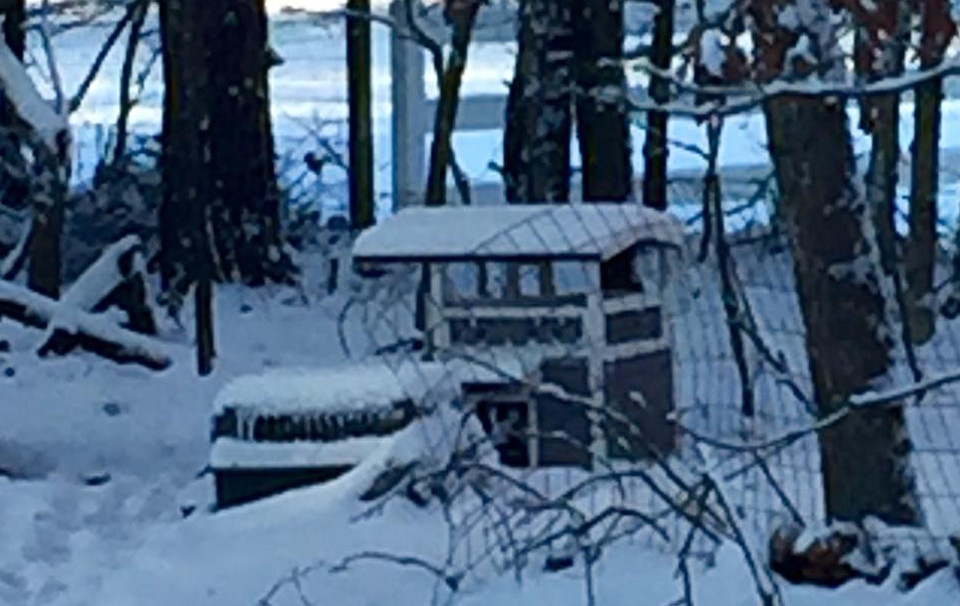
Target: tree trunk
x,y
360,100
603,120
49,196
446,118
44,184
217,116
880,55
246,203
921,247
937,31
864,455
16,188
655,152
881,177
190,179
538,121
14,15
185,136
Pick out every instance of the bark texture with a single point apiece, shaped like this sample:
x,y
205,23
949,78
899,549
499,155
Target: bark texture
x,y
602,116
937,31
187,165
539,106
216,116
569,65
461,17
865,455
655,150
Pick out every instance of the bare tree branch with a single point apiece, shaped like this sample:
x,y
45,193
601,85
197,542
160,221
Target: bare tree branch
x,y
102,54
739,99
452,581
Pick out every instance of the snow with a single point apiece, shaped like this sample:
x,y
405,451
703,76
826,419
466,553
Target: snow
x,y
802,51
66,543
347,387
712,54
30,106
228,452
77,321
101,277
598,231
142,437
308,95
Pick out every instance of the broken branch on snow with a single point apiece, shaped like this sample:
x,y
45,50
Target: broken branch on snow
x,y
117,278
96,334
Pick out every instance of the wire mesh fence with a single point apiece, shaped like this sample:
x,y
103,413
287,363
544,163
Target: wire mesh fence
x,y
630,400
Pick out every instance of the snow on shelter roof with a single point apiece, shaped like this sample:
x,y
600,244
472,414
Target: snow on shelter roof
x,y
572,231
344,388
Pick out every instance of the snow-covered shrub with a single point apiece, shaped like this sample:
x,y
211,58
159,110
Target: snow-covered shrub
x,y
120,201
425,460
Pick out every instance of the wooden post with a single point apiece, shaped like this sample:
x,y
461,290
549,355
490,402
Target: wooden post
x,y
361,120
595,333
203,272
203,299
409,116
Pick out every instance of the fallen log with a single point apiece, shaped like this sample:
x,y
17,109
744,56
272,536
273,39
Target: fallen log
x,y
117,278
90,332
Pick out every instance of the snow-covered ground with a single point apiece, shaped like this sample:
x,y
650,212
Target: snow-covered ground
x,y
106,460
100,464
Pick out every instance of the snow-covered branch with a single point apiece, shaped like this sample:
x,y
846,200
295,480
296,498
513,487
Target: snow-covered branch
x,y
871,398
102,54
33,109
859,401
94,333
46,36
742,98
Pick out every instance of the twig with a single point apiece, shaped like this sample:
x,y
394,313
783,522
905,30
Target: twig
x,y
739,99
46,36
766,585
791,508
452,581
101,56
292,579
138,17
341,327
13,263
897,394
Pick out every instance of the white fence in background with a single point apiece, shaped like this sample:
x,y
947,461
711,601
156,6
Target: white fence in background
x,y
413,110
412,118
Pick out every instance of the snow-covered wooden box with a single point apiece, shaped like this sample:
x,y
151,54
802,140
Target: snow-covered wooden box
x,y
576,296
294,427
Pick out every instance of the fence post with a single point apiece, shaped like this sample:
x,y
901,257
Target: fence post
x,y
409,120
